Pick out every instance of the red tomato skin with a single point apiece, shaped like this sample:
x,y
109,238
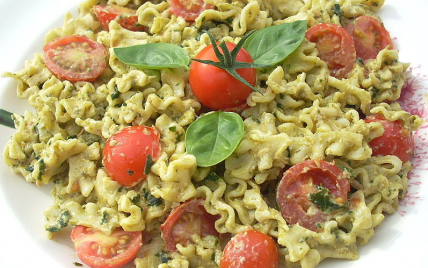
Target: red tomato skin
x,y
250,249
85,238
335,46
299,181
126,17
187,219
125,154
369,36
396,140
94,54
216,88
188,9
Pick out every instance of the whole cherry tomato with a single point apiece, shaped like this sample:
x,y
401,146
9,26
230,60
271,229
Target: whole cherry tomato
x,y
250,249
215,87
127,156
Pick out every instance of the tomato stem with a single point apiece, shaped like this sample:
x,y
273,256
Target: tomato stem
x,y
227,59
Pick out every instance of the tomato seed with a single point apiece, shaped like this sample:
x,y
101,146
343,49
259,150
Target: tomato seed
x,y
123,241
105,251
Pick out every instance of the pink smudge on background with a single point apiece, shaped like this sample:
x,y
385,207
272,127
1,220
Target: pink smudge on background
x,y
414,100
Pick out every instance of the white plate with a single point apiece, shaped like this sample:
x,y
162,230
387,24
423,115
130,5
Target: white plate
x,y
23,243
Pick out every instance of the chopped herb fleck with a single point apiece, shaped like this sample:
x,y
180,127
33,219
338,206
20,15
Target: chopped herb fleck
x,y
374,91
163,257
349,170
42,167
323,199
115,94
105,218
338,11
149,164
62,222
212,177
136,199
151,200
30,169
173,128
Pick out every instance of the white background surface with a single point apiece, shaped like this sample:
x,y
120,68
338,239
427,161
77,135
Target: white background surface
x,y
399,242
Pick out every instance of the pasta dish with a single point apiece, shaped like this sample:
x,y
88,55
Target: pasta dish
x,y
216,133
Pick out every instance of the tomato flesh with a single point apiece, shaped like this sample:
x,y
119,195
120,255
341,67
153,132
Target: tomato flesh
x,y
250,249
186,220
126,154
216,88
301,180
188,9
75,58
369,36
335,46
396,140
99,250
126,17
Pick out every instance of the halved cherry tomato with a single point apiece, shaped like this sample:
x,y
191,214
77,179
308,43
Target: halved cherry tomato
x,y
335,47
128,154
75,58
396,140
186,220
126,17
300,181
188,9
99,250
250,249
369,35
216,88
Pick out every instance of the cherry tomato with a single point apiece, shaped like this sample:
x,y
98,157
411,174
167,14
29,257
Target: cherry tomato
x,y
369,35
301,180
186,220
250,249
396,140
99,250
75,58
127,154
188,9
126,17
216,88
335,47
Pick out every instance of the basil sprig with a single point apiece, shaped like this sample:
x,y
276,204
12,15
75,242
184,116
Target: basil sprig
x,y
153,56
214,137
273,44
267,47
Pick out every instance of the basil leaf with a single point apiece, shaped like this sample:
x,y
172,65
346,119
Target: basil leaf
x,y
273,44
213,137
153,56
